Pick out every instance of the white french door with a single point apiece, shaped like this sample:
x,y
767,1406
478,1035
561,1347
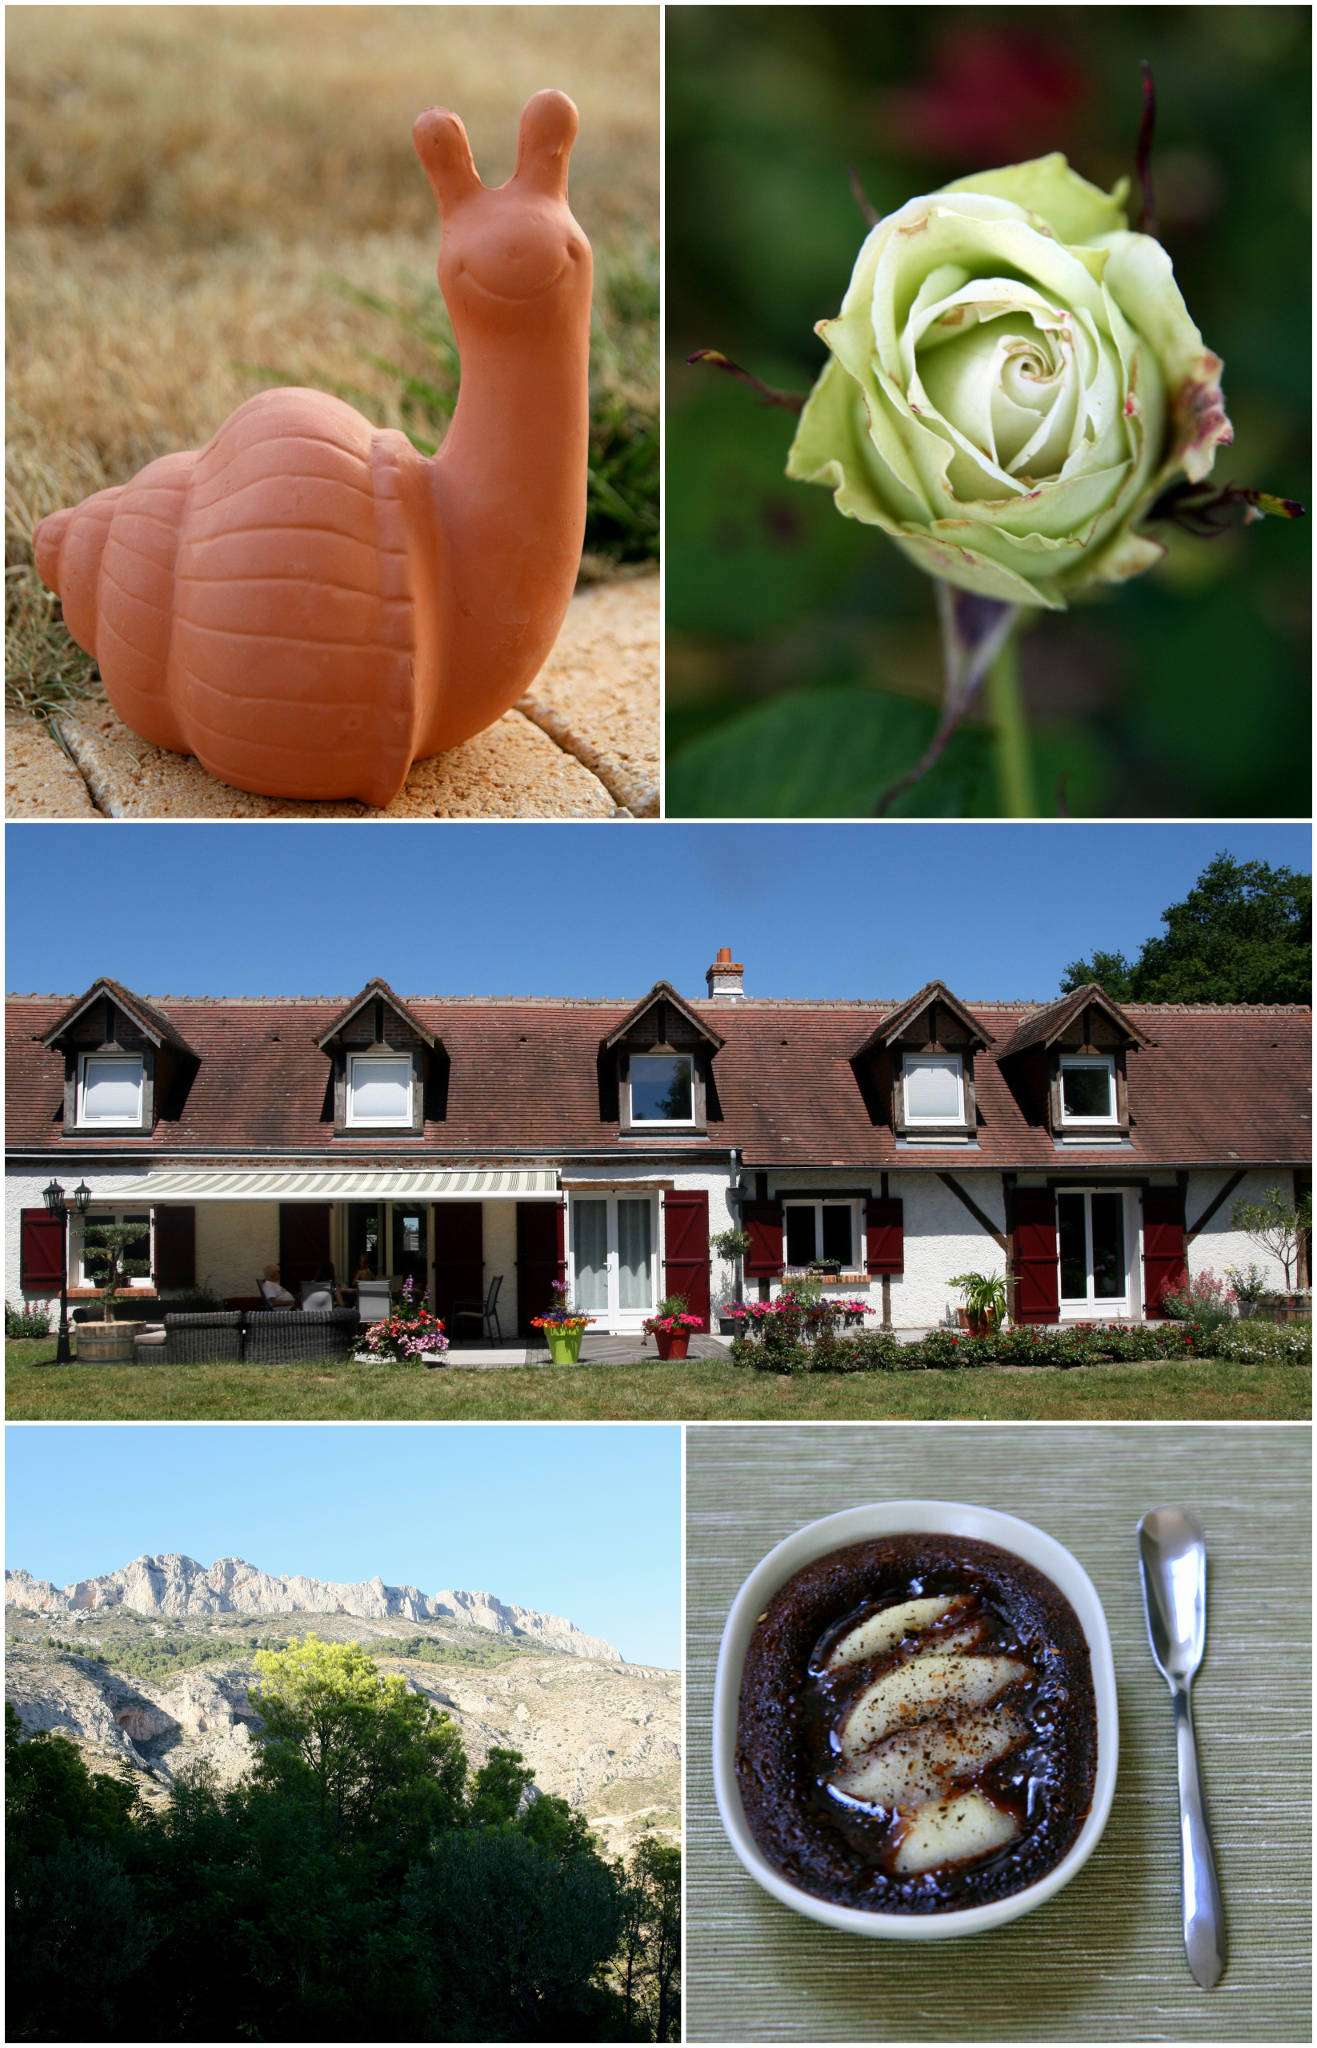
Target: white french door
x,y
1093,1240
614,1258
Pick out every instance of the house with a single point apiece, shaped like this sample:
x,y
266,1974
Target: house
x,y
1090,1150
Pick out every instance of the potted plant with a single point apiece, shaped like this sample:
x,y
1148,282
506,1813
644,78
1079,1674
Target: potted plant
x,y
1250,1284
985,1301
563,1327
731,1246
410,1332
733,1317
827,1269
671,1327
107,1254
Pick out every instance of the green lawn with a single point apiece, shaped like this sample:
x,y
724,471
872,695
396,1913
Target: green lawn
x,y
705,1390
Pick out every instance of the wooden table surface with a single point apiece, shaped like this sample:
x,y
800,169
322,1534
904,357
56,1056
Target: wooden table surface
x,y
1103,1960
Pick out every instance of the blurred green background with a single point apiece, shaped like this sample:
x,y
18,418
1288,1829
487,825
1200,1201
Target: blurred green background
x,y
803,662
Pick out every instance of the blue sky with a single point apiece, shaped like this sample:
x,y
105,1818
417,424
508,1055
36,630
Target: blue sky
x,y
858,911
582,1521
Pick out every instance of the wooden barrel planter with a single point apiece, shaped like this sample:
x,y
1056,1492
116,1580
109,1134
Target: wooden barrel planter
x,y
1283,1308
106,1343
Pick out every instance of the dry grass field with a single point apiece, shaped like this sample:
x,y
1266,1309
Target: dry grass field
x,y
186,184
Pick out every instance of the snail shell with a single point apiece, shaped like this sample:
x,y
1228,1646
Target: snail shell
x,y
280,563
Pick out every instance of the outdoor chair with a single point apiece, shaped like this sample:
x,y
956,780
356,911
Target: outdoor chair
x,y
372,1300
275,1307
483,1312
316,1296
212,1339
300,1337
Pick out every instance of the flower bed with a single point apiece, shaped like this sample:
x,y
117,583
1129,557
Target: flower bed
x,y
411,1332
779,1346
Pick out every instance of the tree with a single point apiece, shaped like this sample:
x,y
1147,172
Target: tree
x,y
1243,934
377,1760
648,1963
497,1788
1275,1225
107,1255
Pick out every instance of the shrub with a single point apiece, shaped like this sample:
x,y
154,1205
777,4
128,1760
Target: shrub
x,y
1262,1343
882,1351
1205,1300
27,1321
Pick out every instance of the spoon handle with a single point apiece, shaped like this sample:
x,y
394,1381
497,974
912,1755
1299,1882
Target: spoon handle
x,y
1204,1915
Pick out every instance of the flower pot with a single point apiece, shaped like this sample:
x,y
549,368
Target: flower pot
x,y
564,1345
729,1325
106,1343
672,1343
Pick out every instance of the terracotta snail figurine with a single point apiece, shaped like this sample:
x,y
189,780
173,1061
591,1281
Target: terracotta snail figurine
x,y
306,603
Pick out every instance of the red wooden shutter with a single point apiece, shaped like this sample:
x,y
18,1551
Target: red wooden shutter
x,y
1037,1284
176,1247
303,1242
1163,1246
541,1257
41,1250
686,1249
459,1258
762,1222
885,1234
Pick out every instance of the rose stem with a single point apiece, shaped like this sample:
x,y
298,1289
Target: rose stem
x,y
1011,733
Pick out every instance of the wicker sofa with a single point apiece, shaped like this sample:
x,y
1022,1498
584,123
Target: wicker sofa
x,y
291,1336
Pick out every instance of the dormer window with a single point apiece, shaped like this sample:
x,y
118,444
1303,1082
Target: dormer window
x,y
379,1090
662,1088
933,1085
1088,1088
110,1087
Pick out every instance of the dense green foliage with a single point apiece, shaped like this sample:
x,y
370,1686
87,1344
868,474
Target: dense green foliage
x,y
425,1650
780,1349
1243,934
360,1884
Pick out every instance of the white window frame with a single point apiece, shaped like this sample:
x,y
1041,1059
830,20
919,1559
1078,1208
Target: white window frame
x,y
818,1203
110,1059
615,1318
109,1212
377,1123
955,1061
1091,1307
660,1123
1106,1061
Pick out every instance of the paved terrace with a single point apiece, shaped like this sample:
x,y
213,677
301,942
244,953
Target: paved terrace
x,y
594,1351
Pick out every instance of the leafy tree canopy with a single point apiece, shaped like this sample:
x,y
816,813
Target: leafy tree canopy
x,y
1243,934
376,1759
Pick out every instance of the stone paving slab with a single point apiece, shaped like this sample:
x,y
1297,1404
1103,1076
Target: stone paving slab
x,y
40,779
583,744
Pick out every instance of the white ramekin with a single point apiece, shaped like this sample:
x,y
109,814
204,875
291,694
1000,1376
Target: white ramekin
x,y
864,1525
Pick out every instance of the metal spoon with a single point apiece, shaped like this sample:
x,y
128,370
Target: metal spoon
x,y
1173,1560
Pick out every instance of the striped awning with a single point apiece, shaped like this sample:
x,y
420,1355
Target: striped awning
x,y
342,1184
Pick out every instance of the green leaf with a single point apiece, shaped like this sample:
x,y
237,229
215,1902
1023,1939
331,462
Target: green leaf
x,y
829,754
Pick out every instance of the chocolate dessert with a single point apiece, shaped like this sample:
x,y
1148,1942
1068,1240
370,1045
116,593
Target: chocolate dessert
x,y
917,1729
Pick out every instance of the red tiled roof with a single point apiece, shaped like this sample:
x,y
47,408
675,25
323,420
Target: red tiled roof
x,y
1210,1086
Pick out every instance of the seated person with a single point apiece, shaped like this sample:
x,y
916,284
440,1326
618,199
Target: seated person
x,y
272,1293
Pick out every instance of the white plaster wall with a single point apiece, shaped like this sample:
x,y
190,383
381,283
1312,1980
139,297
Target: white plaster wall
x,y
941,1238
236,1241
1218,1246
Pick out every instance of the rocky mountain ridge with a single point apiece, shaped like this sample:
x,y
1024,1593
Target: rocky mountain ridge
x,y
170,1584
600,1733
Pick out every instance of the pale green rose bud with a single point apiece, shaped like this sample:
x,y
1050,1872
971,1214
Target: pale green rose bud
x,y
1014,380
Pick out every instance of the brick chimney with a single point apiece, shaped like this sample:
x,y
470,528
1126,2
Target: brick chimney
x,y
724,978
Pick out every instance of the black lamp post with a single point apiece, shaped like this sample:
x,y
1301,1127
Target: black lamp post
x,y
53,1196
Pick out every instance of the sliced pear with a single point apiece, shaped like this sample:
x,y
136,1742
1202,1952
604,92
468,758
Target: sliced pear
x,y
884,1630
954,1831
938,1684
913,1768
